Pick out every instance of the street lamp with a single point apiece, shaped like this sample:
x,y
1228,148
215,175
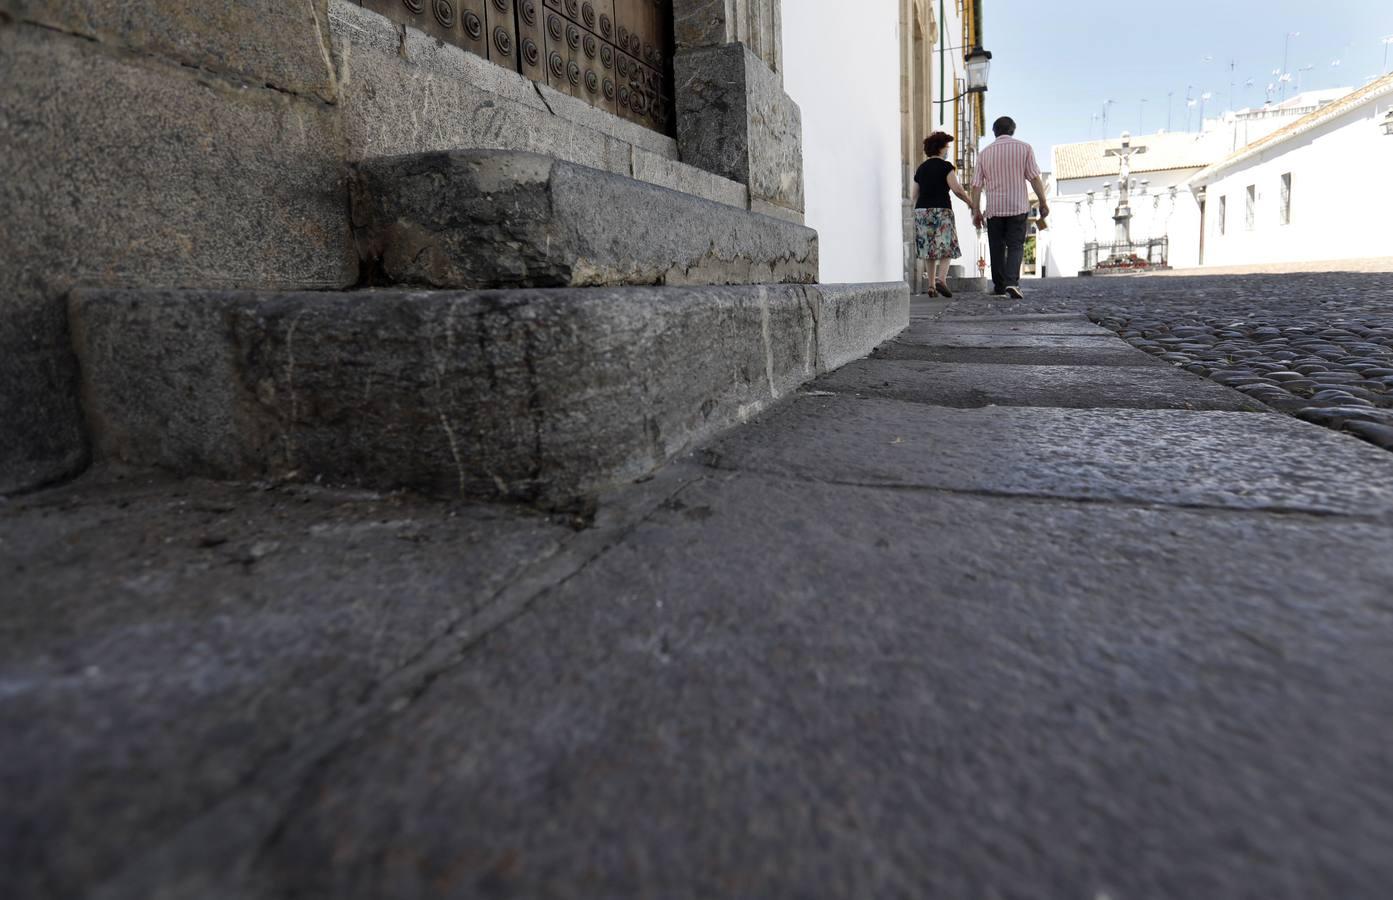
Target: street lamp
x,y
1299,72
979,66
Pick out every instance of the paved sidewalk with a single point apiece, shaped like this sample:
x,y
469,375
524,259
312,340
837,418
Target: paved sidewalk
x,y
1010,609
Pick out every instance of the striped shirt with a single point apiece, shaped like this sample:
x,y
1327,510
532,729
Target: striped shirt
x,y
1003,169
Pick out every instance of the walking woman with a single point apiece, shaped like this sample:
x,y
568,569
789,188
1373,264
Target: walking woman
x,y
935,231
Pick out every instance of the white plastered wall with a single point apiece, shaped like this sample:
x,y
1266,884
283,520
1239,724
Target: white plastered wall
x,y
851,132
1342,194
1073,222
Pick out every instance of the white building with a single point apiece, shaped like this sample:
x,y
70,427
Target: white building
x,y
851,133
933,40
1084,196
1320,188
864,124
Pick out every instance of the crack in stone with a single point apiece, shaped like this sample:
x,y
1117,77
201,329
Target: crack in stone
x,y
228,75
468,639
245,823
713,459
538,88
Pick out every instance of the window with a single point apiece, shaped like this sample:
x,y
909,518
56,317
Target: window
x,y
1286,199
1250,212
1223,215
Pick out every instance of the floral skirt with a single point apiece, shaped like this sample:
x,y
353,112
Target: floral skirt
x,y
936,234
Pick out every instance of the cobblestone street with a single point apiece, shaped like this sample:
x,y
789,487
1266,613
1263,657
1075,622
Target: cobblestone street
x,y
1316,345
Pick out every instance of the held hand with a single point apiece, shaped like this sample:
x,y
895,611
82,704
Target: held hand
x,y
1044,210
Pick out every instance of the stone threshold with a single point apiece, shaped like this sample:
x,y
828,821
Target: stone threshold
x,y
478,219
531,395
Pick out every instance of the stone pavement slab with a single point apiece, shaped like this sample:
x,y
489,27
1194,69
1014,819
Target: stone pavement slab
x,y
162,643
956,314
1215,459
1019,339
923,306
785,689
935,336
1100,353
1079,387
1025,325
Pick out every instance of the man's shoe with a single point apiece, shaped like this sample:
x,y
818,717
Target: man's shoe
x,y
1015,293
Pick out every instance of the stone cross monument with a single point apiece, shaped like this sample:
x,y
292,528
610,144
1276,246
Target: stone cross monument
x,y
1123,215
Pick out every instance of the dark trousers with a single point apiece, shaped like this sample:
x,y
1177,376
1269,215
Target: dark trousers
x,y
1006,238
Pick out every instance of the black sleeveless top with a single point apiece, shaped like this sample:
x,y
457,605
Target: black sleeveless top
x,y
932,178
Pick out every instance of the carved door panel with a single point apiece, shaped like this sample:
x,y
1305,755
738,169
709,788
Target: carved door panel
x,y
598,64
502,31
609,76
613,54
532,59
472,30
560,32
642,29
439,18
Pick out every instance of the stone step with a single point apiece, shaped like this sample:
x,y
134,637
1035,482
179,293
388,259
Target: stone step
x,y
476,219
540,396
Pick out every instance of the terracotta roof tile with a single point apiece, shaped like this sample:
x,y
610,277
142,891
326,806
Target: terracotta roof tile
x,y
1164,152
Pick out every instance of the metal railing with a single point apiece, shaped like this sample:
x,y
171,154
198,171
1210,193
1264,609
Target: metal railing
x,y
1122,257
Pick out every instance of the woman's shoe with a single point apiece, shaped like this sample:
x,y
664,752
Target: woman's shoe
x,y
943,289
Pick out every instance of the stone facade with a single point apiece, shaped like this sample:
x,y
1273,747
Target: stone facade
x,y
421,219
168,146
711,23
526,395
135,154
734,118
406,92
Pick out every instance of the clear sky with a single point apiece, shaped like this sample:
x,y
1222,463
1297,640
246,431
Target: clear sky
x,y
1056,63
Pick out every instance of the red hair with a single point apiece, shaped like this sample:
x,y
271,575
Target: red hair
x,y
934,143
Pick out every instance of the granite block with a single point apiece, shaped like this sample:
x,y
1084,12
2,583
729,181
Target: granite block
x,y
497,219
734,119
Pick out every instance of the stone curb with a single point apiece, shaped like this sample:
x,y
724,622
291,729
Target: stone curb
x,y
541,396
480,219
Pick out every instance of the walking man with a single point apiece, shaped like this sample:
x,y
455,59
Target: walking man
x,y
1003,169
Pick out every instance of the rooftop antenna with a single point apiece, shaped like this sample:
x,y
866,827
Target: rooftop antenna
x,y
1299,73
1286,54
